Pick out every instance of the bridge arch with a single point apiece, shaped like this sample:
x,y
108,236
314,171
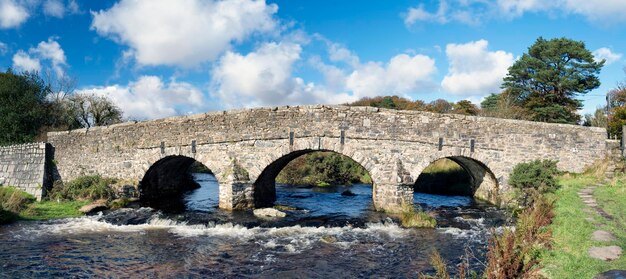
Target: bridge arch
x,y
168,178
264,186
483,182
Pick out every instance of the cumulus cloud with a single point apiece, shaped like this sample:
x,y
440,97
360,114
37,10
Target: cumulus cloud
x,y
474,70
185,34
473,11
50,51
264,77
22,61
403,74
607,54
12,14
150,98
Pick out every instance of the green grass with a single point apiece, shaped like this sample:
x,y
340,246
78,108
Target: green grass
x,y
572,232
52,210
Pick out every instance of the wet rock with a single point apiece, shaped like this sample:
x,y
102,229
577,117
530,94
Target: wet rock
x,y
269,212
607,253
612,274
128,216
601,235
348,193
94,207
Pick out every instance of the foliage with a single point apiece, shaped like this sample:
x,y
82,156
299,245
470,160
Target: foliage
x,y
533,179
503,105
597,119
441,268
83,188
399,103
323,169
547,79
119,203
516,253
14,200
572,227
23,107
465,107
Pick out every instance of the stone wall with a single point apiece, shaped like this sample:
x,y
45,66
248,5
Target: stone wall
x,y
25,167
394,146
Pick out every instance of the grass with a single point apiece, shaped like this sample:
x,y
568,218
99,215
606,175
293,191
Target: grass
x,y
52,210
413,218
572,232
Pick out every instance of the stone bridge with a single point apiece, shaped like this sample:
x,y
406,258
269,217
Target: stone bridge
x,y
246,149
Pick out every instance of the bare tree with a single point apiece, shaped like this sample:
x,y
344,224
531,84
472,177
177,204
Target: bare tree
x,y
89,110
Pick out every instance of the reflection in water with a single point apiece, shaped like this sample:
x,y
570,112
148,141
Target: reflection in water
x,y
328,235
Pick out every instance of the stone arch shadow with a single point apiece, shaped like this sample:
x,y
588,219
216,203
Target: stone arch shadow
x,y
483,182
264,186
168,177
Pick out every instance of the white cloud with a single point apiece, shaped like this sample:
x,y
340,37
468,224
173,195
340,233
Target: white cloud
x,y
606,54
51,50
472,12
3,49
12,14
185,34
24,62
474,70
150,98
265,77
54,8
403,74
414,14
46,50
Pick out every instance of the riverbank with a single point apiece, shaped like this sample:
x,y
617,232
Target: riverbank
x,y
17,205
575,223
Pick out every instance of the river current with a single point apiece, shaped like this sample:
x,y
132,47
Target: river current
x,y
328,235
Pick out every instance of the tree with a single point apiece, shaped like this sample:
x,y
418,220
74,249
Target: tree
x,y
548,78
90,110
465,107
23,109
440,106
597,119
490,103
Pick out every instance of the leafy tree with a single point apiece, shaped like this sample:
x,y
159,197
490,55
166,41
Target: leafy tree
x,y
597,119
490,103
23,109
465,107
547,79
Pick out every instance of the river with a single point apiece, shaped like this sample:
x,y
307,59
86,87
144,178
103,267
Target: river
x,y
329,235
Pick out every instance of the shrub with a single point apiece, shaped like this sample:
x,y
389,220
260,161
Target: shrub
x,y
533,179
14,200
515,253
91,187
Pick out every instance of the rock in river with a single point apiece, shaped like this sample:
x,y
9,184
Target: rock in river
x,y
269,212
94,207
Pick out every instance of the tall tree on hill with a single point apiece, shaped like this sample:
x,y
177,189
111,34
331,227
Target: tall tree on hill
x,y
547,79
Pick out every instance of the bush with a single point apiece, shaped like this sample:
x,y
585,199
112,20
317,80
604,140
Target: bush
x,y
91,187
533,179
14,200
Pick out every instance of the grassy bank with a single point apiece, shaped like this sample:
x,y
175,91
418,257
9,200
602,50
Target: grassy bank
x,y
572,231
17,205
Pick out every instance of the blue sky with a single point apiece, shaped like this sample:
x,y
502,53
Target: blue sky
x,y
157,58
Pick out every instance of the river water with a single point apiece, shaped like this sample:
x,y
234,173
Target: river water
x,y
328,235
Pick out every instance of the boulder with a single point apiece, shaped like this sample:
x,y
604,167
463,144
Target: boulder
x,y
269,212
94,207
